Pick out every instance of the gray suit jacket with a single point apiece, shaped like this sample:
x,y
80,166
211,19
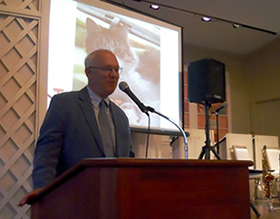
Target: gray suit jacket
x,y
70,133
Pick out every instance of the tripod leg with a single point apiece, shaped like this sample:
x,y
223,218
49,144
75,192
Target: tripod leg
x,y
202,153
254,209
207,153
215,153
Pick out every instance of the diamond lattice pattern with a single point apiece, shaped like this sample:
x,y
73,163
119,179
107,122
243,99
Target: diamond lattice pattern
x,y
28,5
18,67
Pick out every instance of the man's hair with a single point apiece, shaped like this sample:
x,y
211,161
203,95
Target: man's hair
x,y
91,56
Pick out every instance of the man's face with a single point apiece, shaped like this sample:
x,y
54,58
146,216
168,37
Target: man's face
x,y
102,76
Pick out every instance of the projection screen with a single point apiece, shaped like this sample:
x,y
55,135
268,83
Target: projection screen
x,y
148,50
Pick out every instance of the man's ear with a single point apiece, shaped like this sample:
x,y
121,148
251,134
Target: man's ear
x,y
87,72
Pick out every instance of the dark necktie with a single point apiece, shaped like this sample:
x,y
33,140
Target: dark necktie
x,y
106,134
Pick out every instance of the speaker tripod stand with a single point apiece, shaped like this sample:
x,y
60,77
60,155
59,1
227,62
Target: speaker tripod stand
x,y
207,148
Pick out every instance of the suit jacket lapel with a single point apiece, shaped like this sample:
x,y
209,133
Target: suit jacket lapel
x,y
87,109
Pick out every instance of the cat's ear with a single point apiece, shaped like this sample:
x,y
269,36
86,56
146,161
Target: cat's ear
x,y
92,27
119,28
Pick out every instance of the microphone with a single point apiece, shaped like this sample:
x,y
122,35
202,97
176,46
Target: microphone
x,y
145,109
220,108
125,88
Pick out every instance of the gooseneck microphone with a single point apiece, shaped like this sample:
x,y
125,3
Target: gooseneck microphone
x,y
125,88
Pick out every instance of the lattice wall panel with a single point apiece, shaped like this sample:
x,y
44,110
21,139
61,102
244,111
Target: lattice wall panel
x,y
18,67
28,5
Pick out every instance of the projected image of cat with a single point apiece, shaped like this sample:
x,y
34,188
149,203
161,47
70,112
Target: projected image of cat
x,y
142,80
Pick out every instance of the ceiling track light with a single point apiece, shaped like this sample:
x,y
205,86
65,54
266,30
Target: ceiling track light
x,y
190,12
206,19
154,7
235,25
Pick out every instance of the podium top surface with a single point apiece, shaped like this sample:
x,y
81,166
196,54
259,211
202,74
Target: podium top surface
x,y
146,163
157,162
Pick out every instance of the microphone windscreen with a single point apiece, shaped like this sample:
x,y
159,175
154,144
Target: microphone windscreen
x,y
123,85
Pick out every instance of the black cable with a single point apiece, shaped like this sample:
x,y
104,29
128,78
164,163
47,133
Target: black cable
x,y
148,135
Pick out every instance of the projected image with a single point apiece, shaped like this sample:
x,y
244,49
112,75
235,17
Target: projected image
x,y
137,47
148,50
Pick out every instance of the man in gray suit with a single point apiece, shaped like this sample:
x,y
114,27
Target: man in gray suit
x,y
71,130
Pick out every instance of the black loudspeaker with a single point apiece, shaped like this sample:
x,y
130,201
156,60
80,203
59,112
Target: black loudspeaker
x,y
206,81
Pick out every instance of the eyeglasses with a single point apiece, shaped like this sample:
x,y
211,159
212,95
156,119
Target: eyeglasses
x,y
108,69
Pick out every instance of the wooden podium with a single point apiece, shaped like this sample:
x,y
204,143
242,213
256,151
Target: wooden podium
x,y
127,188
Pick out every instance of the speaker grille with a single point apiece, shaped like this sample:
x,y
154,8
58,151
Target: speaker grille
x,y
206,81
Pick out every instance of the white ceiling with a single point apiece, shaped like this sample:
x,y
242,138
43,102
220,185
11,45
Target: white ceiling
x,y
218,34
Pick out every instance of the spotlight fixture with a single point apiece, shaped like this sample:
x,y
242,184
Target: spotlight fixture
x,y
235,25
154,7
206,19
